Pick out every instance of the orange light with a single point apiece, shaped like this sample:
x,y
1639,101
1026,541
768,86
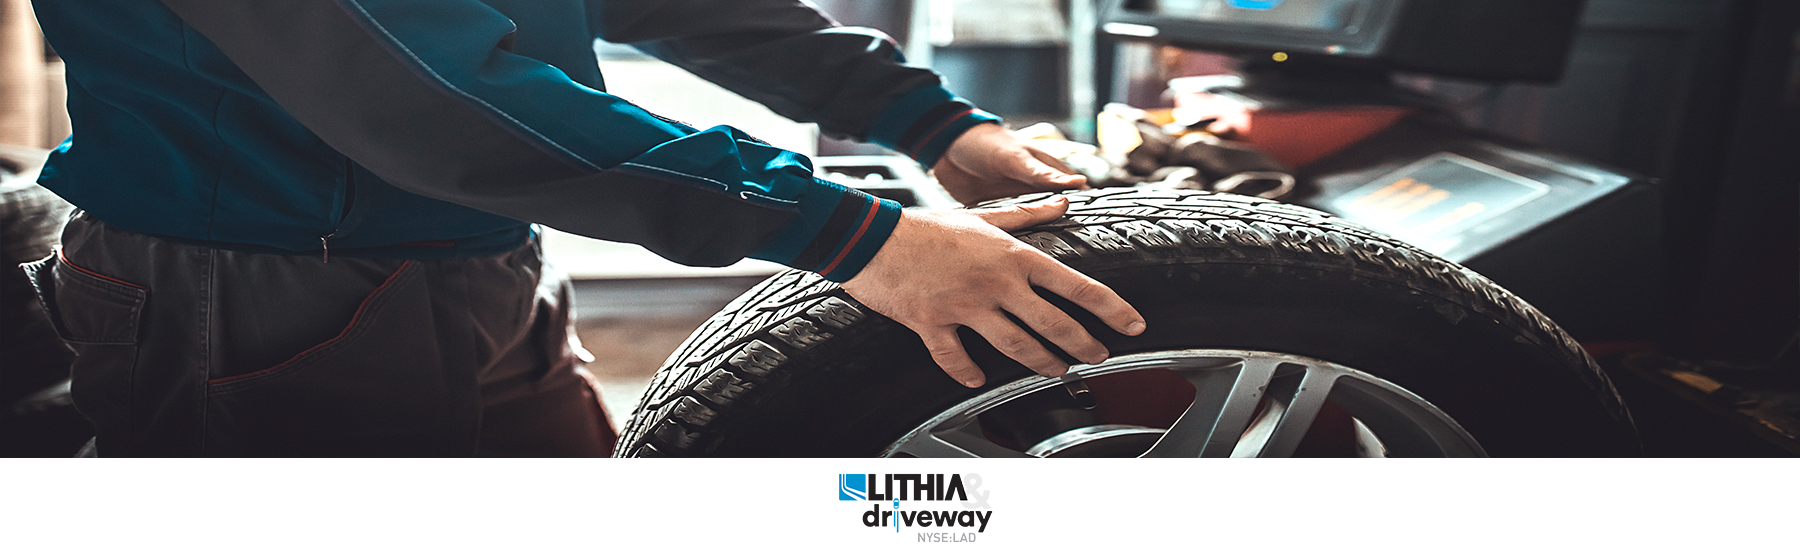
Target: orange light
x,y
1280,56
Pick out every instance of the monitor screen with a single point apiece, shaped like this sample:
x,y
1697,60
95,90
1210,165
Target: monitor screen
x,y
1524,40
1321,15
1353,28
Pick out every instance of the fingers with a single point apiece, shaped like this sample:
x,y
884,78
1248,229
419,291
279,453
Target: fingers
x,y
940,271
1015,343
1047,171
1018,217
1091,296
1009,339
1059,328
990,162
947,350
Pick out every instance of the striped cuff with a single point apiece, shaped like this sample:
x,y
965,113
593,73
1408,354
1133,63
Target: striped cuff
x,y
923,122
837,233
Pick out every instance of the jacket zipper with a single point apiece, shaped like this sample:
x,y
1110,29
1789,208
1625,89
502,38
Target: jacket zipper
x,y
343,212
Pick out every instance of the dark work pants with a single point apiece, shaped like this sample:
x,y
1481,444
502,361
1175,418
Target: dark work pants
x,y
194,351
31,218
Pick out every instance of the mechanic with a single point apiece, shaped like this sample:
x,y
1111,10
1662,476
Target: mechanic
x,y
253,176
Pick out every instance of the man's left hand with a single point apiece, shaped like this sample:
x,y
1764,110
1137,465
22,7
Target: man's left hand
x,y
988,162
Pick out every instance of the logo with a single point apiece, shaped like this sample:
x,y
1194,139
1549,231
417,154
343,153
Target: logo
x,y
1254,4
931,523
852,487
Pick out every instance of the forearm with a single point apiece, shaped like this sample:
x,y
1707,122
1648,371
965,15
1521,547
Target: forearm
x,y
427,95
851,81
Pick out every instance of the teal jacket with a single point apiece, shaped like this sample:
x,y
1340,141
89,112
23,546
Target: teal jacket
x,y
438,128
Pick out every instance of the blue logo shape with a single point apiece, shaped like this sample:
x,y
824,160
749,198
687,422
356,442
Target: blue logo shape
x,y
853,487
1253,4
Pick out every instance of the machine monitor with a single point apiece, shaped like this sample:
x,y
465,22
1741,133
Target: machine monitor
x,y
1330,16
1499,40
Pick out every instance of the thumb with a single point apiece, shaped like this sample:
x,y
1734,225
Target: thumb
x,y
1048,171
1018,217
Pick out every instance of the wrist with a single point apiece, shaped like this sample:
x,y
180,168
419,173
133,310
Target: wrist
x,y
837,232
923,123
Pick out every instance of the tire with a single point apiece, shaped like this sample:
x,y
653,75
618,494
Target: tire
x,y
797,368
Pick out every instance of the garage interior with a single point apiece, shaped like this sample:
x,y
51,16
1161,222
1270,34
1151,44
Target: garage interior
x,y
1658,218
1682,283
1660,281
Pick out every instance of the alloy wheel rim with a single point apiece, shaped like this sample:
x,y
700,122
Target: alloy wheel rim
x,y
1247,403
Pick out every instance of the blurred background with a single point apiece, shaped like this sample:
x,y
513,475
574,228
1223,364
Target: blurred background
x,y
1694,99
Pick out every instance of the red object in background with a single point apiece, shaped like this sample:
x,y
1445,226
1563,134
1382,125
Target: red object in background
x,y
1604,349
1295,137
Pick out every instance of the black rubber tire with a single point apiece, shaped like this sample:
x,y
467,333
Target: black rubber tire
x,y
797,368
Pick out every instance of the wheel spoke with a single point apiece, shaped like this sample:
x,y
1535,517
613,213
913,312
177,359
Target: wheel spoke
x,y
1246,403
1257,436
1224,400
1293,412
963,441
1398,422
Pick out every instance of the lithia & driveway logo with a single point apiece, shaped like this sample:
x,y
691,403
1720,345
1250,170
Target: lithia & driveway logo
x,y
915,501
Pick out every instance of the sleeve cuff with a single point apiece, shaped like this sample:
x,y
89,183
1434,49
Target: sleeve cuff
x,y
924,122
837,233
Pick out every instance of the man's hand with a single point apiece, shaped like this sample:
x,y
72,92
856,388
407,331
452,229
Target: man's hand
x,y
948,269
989,162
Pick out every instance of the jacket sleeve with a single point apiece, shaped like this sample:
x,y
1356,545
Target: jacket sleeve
x,y
787,55
428,96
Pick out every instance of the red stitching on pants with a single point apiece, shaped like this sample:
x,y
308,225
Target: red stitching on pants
x,y
65,260
341,334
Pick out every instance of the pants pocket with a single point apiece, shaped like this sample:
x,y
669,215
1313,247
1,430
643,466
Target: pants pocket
x,y
381,387
100,317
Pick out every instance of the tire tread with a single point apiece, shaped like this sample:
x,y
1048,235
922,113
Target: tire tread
x,y
743,355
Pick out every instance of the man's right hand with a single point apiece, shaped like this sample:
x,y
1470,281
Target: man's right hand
x,y
948,269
